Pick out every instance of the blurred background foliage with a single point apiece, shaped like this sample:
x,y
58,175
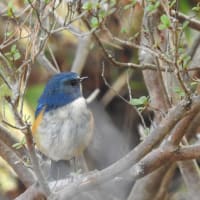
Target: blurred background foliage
x,y
63,45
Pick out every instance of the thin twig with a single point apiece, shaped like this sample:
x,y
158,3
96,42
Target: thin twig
x,y
43,60
193,23
38,16
150,50
93,96
192,50
128,84
176,56
112,60
53,58
165,104
110,87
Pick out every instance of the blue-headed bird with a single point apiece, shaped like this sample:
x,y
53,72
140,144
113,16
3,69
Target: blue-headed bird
x,y
63,124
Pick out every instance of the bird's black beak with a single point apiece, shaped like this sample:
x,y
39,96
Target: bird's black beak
x,y
83,78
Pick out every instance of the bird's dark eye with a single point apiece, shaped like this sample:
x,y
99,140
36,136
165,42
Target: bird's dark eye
x,y
74,82
66,82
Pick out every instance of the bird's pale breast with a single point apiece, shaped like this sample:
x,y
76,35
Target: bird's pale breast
x,y
64,132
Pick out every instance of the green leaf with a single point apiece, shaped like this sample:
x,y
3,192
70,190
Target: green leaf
x,y
152,7
186,61
8,33
143,100
146,131
185,24
15,52
179,91
5,91
172,3
13,48
94,22
20,144
87,6
126,7
17,56
196,8
10,10
165,22
130,5
123,30
194,84
161,27
102,14
113,3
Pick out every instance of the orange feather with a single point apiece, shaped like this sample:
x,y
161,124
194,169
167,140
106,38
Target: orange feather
x,y
37,121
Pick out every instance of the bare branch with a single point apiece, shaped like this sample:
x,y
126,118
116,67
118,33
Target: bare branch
x,y
163,190
191,52
9,140
42,59
81,54
33,192
193,23
180,129
159,156
190,173
34,159
26,176
131,158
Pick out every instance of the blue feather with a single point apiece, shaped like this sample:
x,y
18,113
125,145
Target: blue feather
x,y
59,91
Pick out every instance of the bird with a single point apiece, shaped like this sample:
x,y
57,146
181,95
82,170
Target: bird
x,y
63,125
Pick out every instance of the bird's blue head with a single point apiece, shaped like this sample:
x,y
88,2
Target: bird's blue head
x,y
61,89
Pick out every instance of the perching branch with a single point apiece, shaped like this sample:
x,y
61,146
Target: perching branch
x,y
131,158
